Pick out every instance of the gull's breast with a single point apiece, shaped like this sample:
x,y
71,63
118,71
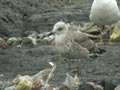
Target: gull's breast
x,y
104,12
59,41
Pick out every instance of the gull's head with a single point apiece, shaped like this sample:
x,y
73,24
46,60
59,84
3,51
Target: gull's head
x,y
59,28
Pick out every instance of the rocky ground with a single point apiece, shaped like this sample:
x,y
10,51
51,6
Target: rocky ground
x,y
19,16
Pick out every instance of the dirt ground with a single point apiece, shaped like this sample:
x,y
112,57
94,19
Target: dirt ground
x,y
30,60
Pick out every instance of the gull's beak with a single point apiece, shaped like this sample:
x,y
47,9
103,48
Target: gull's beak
x,y
51,33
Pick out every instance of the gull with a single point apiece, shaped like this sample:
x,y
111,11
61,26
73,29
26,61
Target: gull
x,y
104,12
72,43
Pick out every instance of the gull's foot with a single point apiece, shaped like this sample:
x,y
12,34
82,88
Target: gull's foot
x,y
100,43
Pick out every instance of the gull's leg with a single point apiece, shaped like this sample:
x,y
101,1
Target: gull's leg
x,y
101,38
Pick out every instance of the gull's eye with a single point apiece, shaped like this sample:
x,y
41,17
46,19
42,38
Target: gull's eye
x,y
60,29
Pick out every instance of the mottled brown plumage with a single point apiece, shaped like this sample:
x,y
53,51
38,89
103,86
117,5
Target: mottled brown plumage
x,y
72,43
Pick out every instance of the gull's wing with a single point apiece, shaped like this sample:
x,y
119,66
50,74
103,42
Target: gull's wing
x,y
81,39
73,48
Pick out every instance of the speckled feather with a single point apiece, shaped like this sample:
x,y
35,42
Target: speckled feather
x,y
75,44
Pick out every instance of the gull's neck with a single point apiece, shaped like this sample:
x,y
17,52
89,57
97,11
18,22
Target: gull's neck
x,y
59,38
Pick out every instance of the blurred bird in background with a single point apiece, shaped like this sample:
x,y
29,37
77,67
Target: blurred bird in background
x,y
104,12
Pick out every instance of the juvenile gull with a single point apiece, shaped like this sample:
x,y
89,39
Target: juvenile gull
x,y
104,12
72,43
